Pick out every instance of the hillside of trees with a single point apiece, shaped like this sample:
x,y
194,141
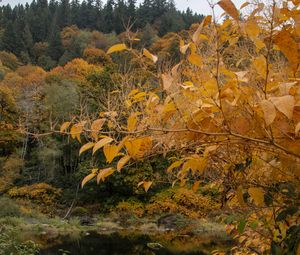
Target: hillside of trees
x,y
156,123
36,32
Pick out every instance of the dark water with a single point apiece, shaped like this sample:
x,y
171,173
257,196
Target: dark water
x,y
115,244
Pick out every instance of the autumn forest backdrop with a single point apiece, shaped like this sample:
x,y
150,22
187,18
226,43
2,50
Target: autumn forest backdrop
x,y
117,114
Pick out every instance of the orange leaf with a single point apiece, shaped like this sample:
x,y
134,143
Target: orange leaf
x,y
196,186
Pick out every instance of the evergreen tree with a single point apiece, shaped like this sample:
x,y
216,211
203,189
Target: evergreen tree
x,y
41,21
55,49
108,14
120,16
10,39
64,14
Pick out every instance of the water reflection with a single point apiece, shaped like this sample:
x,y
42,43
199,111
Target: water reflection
x,y
114,244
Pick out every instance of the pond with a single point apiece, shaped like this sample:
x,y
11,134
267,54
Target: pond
x,y
117,244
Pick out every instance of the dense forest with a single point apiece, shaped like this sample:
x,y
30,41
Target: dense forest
x,y
142,129
37,32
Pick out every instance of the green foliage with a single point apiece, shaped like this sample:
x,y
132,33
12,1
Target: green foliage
x,y
9,244
8,208
79,211
10,169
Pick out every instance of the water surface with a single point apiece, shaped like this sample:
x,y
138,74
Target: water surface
x,y
116,244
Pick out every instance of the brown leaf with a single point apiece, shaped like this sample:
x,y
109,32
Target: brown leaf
x,y
269,111
229,7
285,105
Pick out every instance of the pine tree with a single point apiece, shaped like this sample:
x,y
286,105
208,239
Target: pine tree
x,y
108,13
55,49
10,39
64,14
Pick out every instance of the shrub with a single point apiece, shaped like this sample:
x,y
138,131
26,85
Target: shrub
x,y
181,200
79,211
41,193
131,207
10,245
10,171
8,208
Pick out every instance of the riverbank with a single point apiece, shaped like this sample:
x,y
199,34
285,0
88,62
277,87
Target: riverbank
x,y
26,231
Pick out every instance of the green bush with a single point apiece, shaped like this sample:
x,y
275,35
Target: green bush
x,y
9,208
12,247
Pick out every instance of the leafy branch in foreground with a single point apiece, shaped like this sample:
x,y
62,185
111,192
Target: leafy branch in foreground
x,y
231,108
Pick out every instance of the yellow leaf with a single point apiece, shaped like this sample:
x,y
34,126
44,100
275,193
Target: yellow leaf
x,y
252,29
104,173
174,165
195,59
288,46
122,162
76,131
131,122
240,196
195,37
137,148
269,111
229,7
259,43
133,146
86,147
110,152
122,143
196,186
257,194
65,126
152,57
96,127
102,143
260,65
206,21
88,178
285,105
146,185
116,48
